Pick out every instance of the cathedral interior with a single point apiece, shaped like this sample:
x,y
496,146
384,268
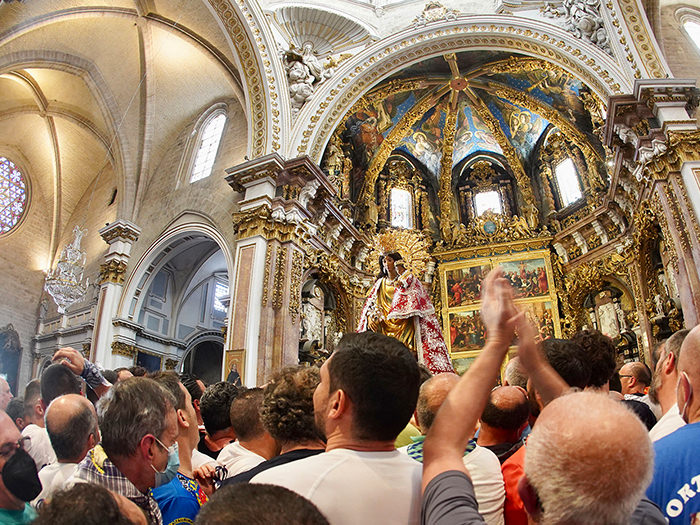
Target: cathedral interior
x,y
198,185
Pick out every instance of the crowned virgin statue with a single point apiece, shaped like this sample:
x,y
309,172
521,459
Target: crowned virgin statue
x,y
399,306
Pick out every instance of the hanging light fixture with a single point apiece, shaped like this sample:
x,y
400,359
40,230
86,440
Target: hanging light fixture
x,y
65,282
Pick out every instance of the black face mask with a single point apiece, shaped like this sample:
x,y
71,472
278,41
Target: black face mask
x,y
20,476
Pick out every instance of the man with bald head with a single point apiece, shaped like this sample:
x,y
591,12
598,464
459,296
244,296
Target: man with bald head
x,y
503,421
482,464
676,483
612,453
635,377
71,422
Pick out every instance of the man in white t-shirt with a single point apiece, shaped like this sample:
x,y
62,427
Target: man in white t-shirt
x,y
38,446
367,394
663,385
254,444
71,422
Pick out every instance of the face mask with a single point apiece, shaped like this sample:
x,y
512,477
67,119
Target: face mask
x,y
686,404
20,476
166,476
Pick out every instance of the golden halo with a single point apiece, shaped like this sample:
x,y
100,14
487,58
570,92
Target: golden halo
x,y
411,244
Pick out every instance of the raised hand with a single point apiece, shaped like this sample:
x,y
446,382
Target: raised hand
x,y
497,308
70,358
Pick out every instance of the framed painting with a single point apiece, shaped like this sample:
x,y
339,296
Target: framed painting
x,y
543,316
234,366
466,331
528,277
462,285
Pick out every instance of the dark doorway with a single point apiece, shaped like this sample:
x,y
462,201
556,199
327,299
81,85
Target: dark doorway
x,y
205,361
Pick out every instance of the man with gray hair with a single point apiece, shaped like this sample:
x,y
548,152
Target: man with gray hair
x,y
515,374
663,386
139,430
611,452
71,422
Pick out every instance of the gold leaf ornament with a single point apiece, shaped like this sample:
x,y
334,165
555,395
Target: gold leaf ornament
x,y
411,244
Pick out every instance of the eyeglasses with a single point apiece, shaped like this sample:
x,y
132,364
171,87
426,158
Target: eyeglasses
x,y
172,449
621,376
7,449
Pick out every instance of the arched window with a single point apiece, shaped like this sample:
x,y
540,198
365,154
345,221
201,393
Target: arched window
x,y
208,145
401,208
487,201
567,182
13,195
692,27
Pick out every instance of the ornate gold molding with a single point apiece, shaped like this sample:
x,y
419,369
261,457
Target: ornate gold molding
x,y
642,41
259,221
295,284
280,270
123,232
119,348
266,277
171,364
445,192
112,272
494,249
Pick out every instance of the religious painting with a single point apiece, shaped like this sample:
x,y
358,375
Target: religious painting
x,y
472,134
530,273
235,366
467,331
462,364
528,277
464,284
541,316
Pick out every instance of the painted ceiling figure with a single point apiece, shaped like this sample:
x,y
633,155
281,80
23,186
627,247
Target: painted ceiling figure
x,y
399,306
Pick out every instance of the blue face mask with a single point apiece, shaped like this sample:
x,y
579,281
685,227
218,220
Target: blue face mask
x,y
167,475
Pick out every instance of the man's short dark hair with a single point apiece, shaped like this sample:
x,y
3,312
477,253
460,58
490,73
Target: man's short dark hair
x,y
600,352
569,361
245,414
69,441
215,406
507,418
15,409
84,503
380,376
58,380
258,504
190,382
110,375
130,410
138,371
171,383
288,406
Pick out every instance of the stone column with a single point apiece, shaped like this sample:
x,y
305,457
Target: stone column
x,y
120,235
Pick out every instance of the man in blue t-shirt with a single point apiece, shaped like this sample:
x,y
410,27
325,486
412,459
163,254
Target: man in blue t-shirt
x,y
180,496
675,487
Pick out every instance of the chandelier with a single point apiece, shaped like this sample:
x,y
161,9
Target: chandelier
x,y
64,283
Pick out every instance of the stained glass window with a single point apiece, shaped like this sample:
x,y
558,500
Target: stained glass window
x,y
487,201
401,208
567,180
13,195
208,146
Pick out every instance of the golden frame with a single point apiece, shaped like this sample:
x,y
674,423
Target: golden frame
x,y
236,357
529,260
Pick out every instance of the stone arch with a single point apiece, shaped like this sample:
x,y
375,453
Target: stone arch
x,y
321,115
189,224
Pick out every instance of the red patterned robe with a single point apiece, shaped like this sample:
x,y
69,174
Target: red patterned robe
x,y
411,300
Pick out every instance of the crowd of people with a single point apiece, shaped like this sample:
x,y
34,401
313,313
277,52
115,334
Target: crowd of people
x,y
568,437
